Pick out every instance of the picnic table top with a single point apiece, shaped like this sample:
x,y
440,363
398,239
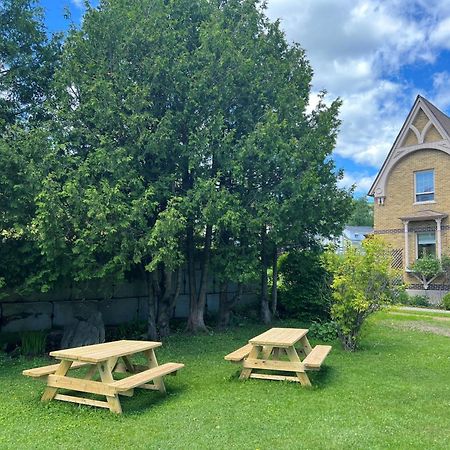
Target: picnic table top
x,y
102,352
284,337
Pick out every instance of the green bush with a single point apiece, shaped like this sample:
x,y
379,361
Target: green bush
x,y
418,300
304,291
363,282
446,301
400,296
33,343
323,331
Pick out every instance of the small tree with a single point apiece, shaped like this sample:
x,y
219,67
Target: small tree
x,y
362,284
428,268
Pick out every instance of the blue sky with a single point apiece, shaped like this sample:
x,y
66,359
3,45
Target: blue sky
x,y
376,55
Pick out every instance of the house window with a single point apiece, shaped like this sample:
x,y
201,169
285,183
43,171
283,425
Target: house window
x,y
426,244
424,182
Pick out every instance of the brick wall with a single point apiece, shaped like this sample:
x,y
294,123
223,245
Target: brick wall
x,y
400,199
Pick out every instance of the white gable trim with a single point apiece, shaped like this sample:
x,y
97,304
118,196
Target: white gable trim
x,y
398,152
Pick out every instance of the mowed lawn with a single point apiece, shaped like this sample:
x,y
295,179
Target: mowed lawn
x,y
393,393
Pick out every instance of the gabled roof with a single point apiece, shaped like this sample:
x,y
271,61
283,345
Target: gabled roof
x,y
411,138
440,116
356,233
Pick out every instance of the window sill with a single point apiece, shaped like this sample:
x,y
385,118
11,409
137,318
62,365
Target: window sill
x,y
428,202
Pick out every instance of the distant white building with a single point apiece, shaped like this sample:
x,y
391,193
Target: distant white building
x,y
352,235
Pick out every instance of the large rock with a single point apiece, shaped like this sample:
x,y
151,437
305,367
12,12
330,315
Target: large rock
x,y
84,332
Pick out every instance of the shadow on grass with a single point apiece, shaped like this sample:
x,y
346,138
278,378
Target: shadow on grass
x,y
319,379
143,400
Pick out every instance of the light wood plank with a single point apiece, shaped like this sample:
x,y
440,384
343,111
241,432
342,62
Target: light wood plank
x,y
279,337
50,392
264,376
102,352
143,377
318,354
38,372
150,387
254,352
270,364
306,347
153,364
81,400
293,357
80,385
239,354
107,378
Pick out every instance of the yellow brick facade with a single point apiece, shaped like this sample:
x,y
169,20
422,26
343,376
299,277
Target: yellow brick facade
x,y
422,144
400,201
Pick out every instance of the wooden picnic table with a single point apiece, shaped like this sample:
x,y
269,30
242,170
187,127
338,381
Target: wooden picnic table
x,y
279,350
104,359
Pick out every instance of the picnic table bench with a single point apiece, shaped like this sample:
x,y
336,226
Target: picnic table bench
x,y
106,359
269,350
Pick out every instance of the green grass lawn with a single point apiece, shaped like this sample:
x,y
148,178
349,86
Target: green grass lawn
x,y
393,393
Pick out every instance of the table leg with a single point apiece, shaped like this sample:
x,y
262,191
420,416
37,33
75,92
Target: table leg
x,y
306,345
50,392
266,351
293,356
153,362
91,372
106,376
128,364
254,352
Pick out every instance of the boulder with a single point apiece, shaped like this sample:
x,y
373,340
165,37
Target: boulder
x,y
84,332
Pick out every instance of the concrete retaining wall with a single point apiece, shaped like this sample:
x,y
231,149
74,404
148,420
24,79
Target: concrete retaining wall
x,y
121,303
434,295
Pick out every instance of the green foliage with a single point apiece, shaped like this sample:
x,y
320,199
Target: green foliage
x,y
133,331
446,301
362,214
304,291
417,300
399,295
362,284
427,266
33,343
323,331
178,129
28,59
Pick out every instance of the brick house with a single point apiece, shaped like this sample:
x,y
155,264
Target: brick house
x,y
412,190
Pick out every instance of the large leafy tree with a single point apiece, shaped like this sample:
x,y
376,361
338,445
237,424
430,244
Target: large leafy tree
x,y
180,138
362,214
28,60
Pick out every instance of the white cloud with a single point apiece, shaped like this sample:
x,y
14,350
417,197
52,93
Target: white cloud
x,y
357,49
362,182
78,3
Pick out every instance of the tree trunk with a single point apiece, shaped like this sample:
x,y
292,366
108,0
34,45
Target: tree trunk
x,y
275,282
172,283
226,304
196,320
151,302
265,310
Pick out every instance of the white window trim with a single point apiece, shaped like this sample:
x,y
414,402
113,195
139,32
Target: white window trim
x,y
415,202
417,242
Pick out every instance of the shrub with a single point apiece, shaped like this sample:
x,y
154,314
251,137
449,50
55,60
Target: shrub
x,y
326,331
363,281
446,301
33,343
426,269
304,291
400,296
418,300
